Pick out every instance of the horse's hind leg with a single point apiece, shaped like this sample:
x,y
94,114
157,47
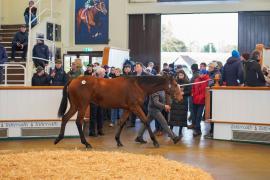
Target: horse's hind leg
x,y
79,121
65,119
139,112
122,123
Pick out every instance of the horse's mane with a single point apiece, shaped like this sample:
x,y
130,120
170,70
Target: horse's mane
x,y
148,79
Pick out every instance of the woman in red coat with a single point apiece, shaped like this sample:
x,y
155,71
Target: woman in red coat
x,y
198,94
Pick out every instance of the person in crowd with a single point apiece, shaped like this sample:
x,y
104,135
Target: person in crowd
x,y
40,50
116,112
165,67
90,70
253,75
195,75
127,70
96,65
155,106
3,60
245,56
40,78
107,71
96,112
203,66
178,115
198,94
220,66
20,42
150,66
178,68
112,72
138,72
266,73
233,70
58,75
75,71
33,14
212,72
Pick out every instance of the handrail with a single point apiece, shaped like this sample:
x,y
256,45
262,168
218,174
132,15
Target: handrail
x,y
6,75
29,66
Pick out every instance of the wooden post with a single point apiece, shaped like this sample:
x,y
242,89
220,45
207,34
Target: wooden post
x,y
216,79
260,47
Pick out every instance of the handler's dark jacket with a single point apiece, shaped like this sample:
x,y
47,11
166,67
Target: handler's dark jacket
x,y
156,102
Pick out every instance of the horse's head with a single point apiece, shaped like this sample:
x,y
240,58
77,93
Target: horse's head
x,y
102,7
174,89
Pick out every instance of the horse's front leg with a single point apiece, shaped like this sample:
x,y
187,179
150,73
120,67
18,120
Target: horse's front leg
x,y
122,123
139,112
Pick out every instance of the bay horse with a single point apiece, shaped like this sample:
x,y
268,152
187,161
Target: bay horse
x,y
87,16
127,93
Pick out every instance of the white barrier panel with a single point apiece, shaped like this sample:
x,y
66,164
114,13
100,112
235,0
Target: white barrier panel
x,y
241,113
24,108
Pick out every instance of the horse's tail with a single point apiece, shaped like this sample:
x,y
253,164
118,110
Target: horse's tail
x,y
63,106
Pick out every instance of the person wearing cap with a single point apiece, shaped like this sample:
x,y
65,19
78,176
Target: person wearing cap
x,y
20,42
40,78
58,75
233,70
41,51
3,59
90,70
33,14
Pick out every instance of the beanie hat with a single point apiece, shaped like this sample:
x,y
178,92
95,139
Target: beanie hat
x,y
235,54
194,67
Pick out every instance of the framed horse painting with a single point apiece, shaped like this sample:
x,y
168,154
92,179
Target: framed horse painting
x,y
91,21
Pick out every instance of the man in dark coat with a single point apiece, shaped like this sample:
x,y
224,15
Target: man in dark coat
x,y
155,106
40,50
20,42
138,72
58,75
252,71
40,78
233,70
3,60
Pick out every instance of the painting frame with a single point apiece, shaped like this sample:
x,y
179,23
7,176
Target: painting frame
x,y
91,22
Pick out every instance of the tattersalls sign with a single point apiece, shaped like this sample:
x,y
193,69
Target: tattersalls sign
x,y
29,124
245,127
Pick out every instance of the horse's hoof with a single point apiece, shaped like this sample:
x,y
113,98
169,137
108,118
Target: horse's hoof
x,y
88,146
119,144
156,145
57,140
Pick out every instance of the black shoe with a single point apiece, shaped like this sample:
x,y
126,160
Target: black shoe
x,y
140,140
176,139
100,133
93,134
197,133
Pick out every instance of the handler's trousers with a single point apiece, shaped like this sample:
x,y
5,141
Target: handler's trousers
x,y
160,118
